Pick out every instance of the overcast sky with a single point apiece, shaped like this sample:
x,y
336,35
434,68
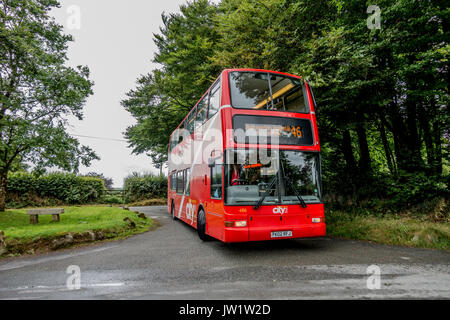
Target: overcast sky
x,y
114,40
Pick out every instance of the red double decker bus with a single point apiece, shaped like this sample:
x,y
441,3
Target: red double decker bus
x,y
244,165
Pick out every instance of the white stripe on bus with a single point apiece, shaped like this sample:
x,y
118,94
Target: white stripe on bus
x,y
195,160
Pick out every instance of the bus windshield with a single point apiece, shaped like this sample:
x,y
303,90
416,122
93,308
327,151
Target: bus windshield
x,y
267,91
283,176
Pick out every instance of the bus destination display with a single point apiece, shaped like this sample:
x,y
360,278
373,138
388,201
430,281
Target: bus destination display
x,y
262,129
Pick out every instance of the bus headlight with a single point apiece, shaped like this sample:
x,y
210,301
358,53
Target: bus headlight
x,y
316,220
239,224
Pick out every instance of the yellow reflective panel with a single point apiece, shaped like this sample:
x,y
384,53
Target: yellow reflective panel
x,y
275,95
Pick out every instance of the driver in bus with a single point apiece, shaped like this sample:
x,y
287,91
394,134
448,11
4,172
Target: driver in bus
x,y
235,174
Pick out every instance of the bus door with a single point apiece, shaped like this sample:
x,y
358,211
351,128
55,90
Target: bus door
x,y
214,210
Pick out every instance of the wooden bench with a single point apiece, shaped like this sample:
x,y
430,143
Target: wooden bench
x,y
35,213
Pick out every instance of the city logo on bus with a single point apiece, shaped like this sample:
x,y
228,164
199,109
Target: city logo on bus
x,y
280,210
190,209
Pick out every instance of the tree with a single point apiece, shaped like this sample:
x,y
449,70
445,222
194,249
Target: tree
x,y
376,89
382,94
163,97
38,91
107,181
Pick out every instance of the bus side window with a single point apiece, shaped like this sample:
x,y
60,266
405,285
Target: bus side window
x,y
216,182
173,182
180,181
190,122
187,178
214,100
202,108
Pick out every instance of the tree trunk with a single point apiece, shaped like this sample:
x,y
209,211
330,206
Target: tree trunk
x,y
427,137
415,161
387,149
3,182
399,132
364,160
347,151
437,133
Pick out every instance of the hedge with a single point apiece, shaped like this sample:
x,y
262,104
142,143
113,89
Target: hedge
x,y
147,186
62,188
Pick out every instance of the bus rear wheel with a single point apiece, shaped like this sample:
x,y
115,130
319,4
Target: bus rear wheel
x,y
201,225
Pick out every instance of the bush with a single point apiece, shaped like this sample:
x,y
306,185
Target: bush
x,y
388,194
112,199
139,187
26,189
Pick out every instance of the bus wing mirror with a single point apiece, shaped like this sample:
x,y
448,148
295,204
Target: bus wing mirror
x,y
211,163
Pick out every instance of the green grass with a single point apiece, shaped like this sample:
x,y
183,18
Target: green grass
x,y
392,230
16,223
22,236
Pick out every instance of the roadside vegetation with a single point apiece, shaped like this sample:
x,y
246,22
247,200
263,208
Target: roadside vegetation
x,y
32,189
144,187
424,226
78,225
55,189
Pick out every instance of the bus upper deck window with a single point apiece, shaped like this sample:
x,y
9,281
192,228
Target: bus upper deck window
x,y
214,100
257,90
190,122
201,112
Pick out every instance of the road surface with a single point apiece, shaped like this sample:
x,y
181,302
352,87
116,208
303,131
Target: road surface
x,y
172,263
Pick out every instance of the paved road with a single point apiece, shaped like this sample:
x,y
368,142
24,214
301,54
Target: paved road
x,y
172,263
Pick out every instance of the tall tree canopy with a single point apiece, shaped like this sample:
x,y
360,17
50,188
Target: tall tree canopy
x,y
382,94
37,91
162,99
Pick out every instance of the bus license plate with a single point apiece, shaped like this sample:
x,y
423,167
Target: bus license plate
x,y
281,234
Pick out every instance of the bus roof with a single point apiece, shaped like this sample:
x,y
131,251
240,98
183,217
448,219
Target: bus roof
x,y
261,70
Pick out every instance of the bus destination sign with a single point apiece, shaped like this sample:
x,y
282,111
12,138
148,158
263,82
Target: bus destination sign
x,y
265,130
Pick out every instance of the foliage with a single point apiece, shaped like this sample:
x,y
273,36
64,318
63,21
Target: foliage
x,y
382,94
107,181
26,189
38,91
111,199
139,187
397,230
164,97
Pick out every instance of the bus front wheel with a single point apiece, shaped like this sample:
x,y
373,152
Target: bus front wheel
x,y
201,226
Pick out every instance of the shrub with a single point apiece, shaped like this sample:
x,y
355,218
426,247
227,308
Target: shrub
x,y
138,187
386,193
59,188
112,199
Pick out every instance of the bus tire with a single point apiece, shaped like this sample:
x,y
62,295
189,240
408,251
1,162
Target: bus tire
x,y
201,225
172,211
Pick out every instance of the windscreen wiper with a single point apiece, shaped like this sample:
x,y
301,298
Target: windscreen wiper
x,y
300,199
260,201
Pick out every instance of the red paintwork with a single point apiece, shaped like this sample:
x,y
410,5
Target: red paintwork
x,y
261,222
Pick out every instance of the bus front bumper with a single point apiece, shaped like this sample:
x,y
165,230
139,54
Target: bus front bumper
x,y
266,233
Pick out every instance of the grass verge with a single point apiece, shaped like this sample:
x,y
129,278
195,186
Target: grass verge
x,y
391,230
78,225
